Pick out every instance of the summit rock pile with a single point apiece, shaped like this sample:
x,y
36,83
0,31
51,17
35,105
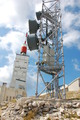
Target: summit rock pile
x,y
41,109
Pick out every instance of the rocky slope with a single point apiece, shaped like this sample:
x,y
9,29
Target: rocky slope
x,y
40,109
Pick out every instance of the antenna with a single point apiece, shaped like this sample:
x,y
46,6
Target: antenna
x,y
50,48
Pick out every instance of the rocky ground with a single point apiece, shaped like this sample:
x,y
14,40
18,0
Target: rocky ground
x,y
40,109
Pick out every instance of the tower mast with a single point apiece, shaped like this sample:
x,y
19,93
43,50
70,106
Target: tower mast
x,y
51,56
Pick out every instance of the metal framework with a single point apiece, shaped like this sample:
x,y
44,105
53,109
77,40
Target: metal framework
x,y
51,56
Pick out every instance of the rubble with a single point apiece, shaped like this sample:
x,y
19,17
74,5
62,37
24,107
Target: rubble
x,y
36,109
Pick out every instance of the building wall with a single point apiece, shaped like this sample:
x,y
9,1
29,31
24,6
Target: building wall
x,y
75,85
7,94
20,72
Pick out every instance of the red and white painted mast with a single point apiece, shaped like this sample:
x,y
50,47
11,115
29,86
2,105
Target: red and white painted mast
x,y
24,46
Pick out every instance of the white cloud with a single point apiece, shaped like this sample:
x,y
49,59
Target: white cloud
x,y
6,73
7,12
10,58
33,54
15,13
72,38
72,3
77,22
12,41
65,3
38,7
70,24
76,64
70,20
67,20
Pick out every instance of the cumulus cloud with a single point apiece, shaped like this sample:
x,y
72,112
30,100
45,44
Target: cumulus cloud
x,y
67,21
15,13
76,64
12,41
71,3
72,38
7,12
6,73
70,23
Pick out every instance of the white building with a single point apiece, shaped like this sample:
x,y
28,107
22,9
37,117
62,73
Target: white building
x,y
74,85
20,69
7,93
19,72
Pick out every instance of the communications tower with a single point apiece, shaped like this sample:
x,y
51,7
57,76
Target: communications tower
x,y
47,39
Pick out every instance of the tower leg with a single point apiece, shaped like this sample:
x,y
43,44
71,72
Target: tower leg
x,y
64,91
37,83
56,84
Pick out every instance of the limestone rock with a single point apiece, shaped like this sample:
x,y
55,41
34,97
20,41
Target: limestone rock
x,y
30,104
41,109
34,104
61,110
28,101
58,104
47,105
78,105
23,114
45,109
17,107
68,105
25,106
41,103
3,108
21,101
78,113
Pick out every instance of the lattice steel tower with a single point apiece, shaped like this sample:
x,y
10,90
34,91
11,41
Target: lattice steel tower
x,y
49,43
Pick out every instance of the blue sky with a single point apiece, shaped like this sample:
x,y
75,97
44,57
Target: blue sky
x,y
14,15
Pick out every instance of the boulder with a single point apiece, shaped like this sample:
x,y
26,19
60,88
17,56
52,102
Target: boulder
x,y
78,105
62,110
68,105
34,104
78,113
30,104
45,109
17,108
58,104
25,106
28,101
24,113
41,103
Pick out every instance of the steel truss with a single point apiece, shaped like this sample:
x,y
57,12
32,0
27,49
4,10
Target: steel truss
x,y
50,37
